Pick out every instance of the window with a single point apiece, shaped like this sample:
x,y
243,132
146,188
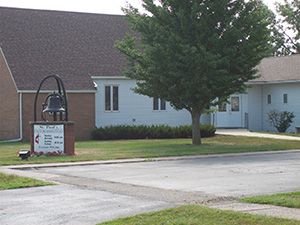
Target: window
x,y
111,98
235,104
285,98
269,99
159,104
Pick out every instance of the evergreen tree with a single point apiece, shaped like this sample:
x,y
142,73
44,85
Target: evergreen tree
x,y
195,53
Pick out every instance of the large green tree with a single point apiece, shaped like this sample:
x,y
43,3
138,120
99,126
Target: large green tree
x,y
195,53
289,25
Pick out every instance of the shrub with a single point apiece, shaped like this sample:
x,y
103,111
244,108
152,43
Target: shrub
x,y
152,132
207,130
281,120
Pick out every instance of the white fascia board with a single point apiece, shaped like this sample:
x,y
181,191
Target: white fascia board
x,y
109,78
49,91
8,69
274,82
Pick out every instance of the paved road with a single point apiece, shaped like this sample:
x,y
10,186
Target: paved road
x,y
235,176
96,193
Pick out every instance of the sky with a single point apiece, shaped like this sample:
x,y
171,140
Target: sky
x,y
91,6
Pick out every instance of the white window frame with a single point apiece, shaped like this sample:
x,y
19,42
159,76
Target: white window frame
x,y
285,98
269,99
160,103
112,86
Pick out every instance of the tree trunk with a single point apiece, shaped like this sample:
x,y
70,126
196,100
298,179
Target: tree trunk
x,y
196,128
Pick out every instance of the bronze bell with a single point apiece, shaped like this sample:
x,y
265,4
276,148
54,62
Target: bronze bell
x,y
54,104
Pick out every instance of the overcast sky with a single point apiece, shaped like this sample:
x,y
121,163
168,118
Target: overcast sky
x,y
93,6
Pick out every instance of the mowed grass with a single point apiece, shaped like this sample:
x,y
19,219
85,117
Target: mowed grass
x,y
194,214
14,181
148,148
291,200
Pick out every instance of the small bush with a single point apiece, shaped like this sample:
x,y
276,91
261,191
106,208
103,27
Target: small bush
x,y
280,120
207,130
152,132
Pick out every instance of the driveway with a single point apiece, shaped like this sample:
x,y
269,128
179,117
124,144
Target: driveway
x,y
94,193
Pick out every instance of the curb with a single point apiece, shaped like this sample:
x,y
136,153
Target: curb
x,y
137,160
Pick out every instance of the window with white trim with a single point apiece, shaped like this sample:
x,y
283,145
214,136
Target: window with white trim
x,y
159,104
285,98
111,98
269,99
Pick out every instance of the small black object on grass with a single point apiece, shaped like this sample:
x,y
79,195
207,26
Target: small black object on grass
x,y
24,154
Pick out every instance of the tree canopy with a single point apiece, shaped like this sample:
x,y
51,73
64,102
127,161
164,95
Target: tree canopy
x,y
289,26
196,53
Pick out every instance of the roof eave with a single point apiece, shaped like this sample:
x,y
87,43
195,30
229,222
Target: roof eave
x,y
110,78
6,63
49,91
273,82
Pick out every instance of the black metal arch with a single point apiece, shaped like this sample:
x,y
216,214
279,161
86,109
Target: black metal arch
x,y
60,86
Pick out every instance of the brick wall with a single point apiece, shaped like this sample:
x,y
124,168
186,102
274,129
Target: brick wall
x,y
81,108
9,104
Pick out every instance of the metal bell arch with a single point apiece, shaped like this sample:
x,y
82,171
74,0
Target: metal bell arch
x,y
60,88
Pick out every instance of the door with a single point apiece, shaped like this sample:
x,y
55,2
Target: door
x,y
229,114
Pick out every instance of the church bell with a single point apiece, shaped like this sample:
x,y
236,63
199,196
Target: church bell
x,y
54,106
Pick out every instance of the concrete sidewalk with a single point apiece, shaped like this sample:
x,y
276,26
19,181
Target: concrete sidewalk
x,y
245,132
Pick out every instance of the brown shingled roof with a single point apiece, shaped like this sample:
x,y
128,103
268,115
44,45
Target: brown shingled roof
x,y
76,46
276,69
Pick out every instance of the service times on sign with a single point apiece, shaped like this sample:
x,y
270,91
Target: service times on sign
x,y
48,138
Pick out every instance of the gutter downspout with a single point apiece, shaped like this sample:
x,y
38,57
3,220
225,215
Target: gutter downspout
x,y
20,121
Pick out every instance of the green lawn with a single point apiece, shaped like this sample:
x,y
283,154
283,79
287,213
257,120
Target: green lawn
x,y
13,181
105,150
291,200
194,214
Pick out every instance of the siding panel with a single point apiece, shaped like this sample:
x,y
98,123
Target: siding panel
x,y
277,91
136,109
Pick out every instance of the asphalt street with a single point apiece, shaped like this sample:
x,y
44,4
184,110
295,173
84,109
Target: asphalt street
x,y
89,194
235,176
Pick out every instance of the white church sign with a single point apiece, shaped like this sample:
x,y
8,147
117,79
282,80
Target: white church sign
x,y
48,138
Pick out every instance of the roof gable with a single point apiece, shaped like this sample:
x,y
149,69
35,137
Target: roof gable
x,y
279,69
75,46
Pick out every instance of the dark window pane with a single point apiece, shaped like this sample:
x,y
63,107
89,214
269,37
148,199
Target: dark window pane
x,y
162,105
155,103
115,98
107,98
269,99
285,98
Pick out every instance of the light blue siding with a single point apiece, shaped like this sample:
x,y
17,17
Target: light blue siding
x,y
293,105
255,108
136,109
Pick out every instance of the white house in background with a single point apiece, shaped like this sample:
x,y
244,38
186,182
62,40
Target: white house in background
x,y
277,88
117,104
